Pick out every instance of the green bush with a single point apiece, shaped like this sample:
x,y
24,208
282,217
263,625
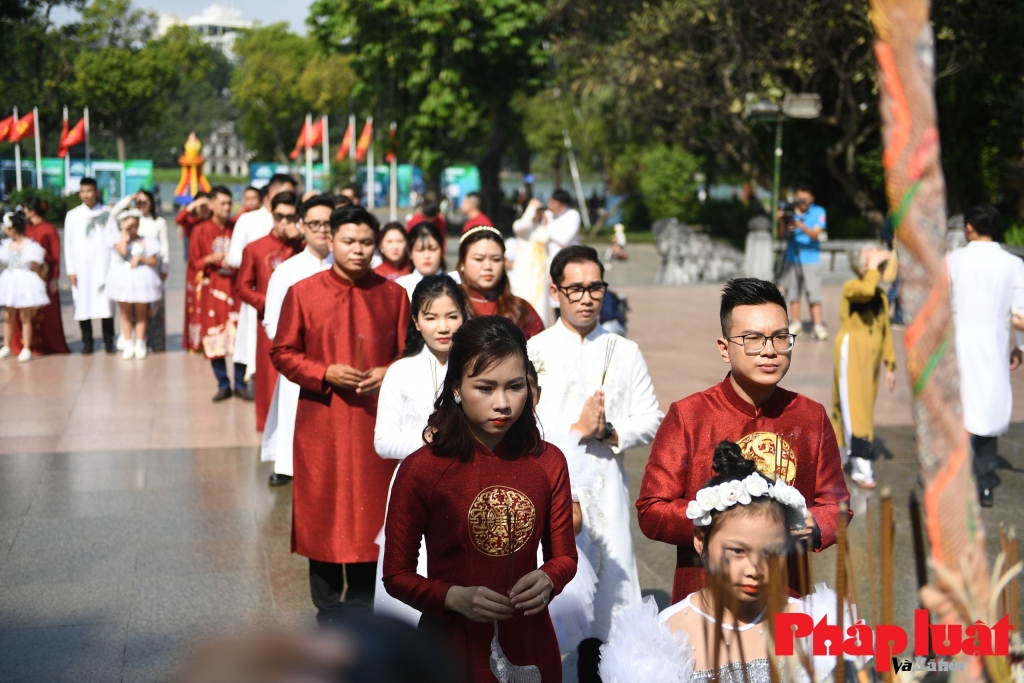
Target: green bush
x,y
1014,235
854,228
726,219
59,205
667,180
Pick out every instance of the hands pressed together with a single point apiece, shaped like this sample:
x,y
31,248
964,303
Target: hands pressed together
x,y
531,594
341,376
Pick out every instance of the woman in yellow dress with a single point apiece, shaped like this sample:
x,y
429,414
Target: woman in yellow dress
x,y
863,344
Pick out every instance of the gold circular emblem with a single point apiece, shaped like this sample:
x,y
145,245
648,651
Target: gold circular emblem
x,y
772,454
498,513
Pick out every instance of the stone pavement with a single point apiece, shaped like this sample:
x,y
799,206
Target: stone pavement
x,y
135,519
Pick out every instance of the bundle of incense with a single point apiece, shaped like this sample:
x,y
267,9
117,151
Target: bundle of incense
x,y
1003,602
871,560
840,671
887,557
359,353
609,351
510,526
777,598
1011,555
917,527
719,593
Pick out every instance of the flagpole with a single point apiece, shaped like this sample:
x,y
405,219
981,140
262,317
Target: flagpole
x,y
67,157
326,150
371,192
88,164
393,194
39,154
17,152
309,153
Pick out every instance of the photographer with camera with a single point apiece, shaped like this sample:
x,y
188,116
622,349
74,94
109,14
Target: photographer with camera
x,y
803,226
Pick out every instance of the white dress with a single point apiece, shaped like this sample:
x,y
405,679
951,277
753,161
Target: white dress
x,y
570,372
249,227
20,286
150,228
406,400
641,647
409,281
529,275
138,285
279,431
987,284
86,256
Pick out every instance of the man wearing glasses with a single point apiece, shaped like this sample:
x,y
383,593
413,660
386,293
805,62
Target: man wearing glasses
x,y
259,260
279,429
788,436
596,388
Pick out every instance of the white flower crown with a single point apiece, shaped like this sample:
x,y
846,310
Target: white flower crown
x,y
725,495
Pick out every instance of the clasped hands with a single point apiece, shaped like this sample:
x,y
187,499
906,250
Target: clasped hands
x,y
592,422
341,376
531,594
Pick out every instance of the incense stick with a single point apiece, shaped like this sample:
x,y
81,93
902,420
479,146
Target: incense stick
x,y
840,670
510,521
359,353
871,561
887,577
609,351
1011,554
920,561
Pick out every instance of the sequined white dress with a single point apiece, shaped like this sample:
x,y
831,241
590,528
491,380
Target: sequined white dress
x,y
20,286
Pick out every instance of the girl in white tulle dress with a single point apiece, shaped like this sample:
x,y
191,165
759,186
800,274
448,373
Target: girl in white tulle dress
x,y
741,519
22,289
133,281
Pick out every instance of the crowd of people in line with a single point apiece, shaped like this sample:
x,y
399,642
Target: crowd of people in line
x,y
454,439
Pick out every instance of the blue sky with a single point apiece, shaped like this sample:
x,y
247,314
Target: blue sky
x,y
264,11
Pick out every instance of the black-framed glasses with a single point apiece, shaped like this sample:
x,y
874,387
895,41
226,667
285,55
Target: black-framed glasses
x,y
318,226
290,217
754,344
574,293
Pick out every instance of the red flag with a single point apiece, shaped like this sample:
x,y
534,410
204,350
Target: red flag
x,y
75,136
308,137
346,142
364,140
5,127
23,128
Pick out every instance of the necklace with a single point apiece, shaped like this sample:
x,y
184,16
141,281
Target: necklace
x,y
739,629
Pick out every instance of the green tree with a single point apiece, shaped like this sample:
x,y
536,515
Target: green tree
x,y
279,77
446,70
667,180
127,79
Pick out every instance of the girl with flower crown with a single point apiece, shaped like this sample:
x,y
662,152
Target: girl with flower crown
x,y
741,520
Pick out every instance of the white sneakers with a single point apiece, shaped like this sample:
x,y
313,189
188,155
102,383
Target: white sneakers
x,y
135,349
820,333
862,473
25,355
5,351
796,327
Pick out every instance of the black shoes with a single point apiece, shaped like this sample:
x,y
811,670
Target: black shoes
x,y
221,395
87,346
246,394
278,479
986,498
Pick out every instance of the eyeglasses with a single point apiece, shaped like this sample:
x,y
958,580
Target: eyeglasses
x,y
290,217
754,344
574,293
318,226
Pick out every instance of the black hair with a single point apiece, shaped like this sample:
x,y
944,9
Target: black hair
x,y
356,188
475,196
577,253
87,181
804,187
356,214
425,229
431,209
36,204
220,189
747,291
729,464
281,179
341,200
562,197
509,305
250,188
477,345
18,221
531,374
388,227
152,202
318,200
287,197
430,289
984,218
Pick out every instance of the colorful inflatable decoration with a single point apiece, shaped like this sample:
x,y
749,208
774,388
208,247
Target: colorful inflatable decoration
x,y
192,179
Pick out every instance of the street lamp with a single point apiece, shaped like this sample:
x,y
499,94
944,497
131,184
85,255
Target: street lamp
x,y
793,106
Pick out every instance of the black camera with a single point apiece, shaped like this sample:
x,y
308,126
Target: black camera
x,y
788,215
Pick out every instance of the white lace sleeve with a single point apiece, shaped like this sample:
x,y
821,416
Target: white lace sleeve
x,y
821,603
642,648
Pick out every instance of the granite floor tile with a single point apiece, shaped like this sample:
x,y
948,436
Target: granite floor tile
x,y
116,460
93,652
199,526
243,595
69,532
110,563
87,504
207,496
212,556
158,651
64,604
70,481
8,532
14,505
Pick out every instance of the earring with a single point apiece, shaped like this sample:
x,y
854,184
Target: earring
x,y
458,399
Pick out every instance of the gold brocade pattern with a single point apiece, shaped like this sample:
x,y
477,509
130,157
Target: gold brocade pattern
x,y
488,519
772,453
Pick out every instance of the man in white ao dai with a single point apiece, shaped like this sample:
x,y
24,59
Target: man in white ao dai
x,y
596,384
